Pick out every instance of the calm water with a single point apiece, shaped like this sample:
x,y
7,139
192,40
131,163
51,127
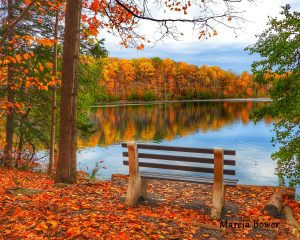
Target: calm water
x,y
192,124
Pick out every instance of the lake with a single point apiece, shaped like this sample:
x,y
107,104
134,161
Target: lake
x,y
202,124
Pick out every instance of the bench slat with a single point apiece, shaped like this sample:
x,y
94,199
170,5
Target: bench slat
x,y
180,158
181,168
145,173
178,149
192,179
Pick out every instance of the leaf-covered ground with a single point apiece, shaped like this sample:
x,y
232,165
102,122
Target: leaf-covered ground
x,y
97,211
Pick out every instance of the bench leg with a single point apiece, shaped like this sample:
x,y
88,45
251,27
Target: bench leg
x,y
137,188
218,187
144,187
217,201
134,191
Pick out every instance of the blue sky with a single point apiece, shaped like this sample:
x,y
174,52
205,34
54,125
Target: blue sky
x,y
225,50
229,56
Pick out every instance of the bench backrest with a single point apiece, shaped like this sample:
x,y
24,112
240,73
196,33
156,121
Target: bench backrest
x,y
178,159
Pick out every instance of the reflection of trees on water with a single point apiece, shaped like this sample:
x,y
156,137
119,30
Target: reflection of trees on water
x,y
163,121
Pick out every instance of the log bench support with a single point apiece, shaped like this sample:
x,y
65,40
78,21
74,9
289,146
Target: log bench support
x,y
218,187
136,185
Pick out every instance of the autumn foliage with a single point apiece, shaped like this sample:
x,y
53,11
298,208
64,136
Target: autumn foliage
x,y
167,79
97,211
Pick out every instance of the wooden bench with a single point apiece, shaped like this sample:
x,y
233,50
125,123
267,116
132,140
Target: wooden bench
x,y
137,185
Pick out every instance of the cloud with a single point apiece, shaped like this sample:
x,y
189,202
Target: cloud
x,y
227,56
225,50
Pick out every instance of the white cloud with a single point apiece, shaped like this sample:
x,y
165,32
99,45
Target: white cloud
x,y
226,47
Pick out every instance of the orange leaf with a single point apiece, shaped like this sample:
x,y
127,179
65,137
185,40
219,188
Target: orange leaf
x,y
73,231
54,224
41,227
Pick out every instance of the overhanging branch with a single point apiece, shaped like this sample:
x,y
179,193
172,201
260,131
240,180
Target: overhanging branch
x,y
195,20
12,26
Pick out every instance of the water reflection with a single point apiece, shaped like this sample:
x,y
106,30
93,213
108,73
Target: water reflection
x,y
163,121
194,124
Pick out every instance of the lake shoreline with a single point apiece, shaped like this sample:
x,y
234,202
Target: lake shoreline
x,y
132,103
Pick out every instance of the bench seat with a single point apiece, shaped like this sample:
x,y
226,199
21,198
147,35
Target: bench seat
x,y
182,178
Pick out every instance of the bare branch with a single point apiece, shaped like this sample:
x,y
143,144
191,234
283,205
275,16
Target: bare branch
x,y
204,19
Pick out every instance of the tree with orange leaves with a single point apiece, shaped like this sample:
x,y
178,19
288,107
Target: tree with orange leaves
x,y
179,80
25,48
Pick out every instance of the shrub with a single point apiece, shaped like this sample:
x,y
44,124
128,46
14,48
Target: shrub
x,y
113,98
204,95
149,96
133,96
188,96
96,170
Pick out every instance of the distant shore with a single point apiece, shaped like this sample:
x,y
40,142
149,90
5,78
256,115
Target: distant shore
x,y
133,103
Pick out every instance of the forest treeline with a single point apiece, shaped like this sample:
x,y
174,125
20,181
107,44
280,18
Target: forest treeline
x,y
165,79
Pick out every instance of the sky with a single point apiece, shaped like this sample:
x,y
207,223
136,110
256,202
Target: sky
x,y
225,50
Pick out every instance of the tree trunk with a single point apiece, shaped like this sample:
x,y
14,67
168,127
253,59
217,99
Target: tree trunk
x,y
20,147
53,110
66,168
21,139
9,127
